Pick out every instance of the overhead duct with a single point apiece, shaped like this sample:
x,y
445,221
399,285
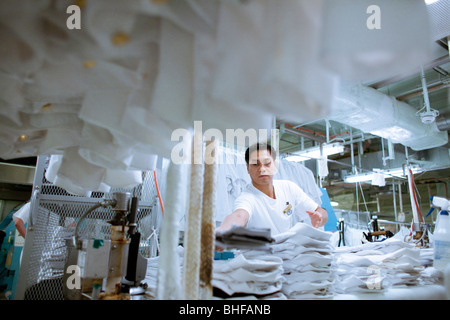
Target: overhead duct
x,y
373,112
443,121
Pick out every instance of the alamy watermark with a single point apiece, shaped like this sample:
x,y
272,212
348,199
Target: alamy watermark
x,y
182,152
73,281
74,20
373,282
374,20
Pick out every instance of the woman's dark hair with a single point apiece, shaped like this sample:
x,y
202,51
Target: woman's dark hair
x,y
259,146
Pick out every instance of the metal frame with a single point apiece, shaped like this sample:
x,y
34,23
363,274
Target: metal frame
x,y
52,209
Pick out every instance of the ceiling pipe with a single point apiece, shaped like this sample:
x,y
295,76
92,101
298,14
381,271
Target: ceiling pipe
x,y
419,91
306,135
425,90
435,63
429,115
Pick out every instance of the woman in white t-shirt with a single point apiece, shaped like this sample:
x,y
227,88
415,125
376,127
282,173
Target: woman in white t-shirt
x,y
268,203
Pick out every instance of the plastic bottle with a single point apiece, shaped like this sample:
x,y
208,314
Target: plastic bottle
x,y
442,241
442,203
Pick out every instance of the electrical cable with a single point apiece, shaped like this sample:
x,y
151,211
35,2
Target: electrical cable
x,y
104,204
159,194
416,191
414,195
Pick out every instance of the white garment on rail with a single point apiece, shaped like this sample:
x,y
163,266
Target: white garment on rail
x,y
107,89
364,46
232,65
272,66
77,176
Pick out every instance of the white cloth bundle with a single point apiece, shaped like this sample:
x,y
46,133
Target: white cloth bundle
x,y
138,70
103,96
11,100
258,274
376,266
77,176
272,66
307,262
368,41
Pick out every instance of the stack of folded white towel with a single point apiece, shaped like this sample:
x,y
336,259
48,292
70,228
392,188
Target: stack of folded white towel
x,y
307,261
254,274
376,266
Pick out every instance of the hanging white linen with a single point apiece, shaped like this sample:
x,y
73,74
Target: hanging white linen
x,y
367,41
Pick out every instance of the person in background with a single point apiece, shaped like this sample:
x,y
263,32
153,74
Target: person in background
x,y
21,217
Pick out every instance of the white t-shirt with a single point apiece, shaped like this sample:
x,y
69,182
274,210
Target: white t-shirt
x,y
266,212
23,213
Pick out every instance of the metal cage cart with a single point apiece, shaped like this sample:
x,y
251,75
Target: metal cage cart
x,y
53,216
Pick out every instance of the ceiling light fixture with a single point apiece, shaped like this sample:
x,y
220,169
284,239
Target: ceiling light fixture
x,y
314,152
388,174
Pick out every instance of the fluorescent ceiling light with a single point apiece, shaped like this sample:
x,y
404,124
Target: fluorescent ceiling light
x,y
296,158
391,173
334,203
359,177
314,152
430,1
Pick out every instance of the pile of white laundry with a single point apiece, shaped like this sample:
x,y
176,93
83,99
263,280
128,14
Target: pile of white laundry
x,y
249,276
376,266
255,275
307,261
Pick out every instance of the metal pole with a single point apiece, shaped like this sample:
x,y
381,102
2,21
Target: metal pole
x,y
395,203
24,270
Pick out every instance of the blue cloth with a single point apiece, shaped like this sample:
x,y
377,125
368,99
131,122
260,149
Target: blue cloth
x,y
331,224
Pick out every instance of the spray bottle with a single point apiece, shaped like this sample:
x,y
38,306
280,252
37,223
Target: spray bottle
x,y
441,232
442,241
440,203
